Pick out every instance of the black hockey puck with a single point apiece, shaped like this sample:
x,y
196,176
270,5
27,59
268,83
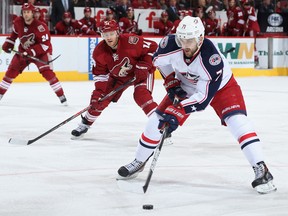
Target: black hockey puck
x,y
147,207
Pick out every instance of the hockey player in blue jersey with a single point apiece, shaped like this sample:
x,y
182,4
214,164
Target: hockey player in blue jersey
x,y
197,74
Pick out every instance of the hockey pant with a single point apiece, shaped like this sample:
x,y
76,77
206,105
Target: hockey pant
x,y
18,64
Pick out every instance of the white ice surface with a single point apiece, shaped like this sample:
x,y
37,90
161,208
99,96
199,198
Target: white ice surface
x,y
204,173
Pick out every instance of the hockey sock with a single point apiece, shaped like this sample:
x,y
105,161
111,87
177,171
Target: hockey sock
x,y
243,131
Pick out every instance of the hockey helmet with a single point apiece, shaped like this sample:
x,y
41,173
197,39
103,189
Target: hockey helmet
x,y
190,27
109,12
66,15
28,6
87,9
164,14
108,26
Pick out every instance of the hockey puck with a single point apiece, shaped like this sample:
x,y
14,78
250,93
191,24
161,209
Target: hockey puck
x,y
147,207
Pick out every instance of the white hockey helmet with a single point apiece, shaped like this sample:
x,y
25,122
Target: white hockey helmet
x,y
190,27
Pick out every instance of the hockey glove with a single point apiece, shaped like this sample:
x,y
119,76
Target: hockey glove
x,y
8,46
173,88
141,72
27,53
172,118
94,102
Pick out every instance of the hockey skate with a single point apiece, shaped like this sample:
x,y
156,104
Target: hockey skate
x,y
131,170
1,96
263,182
80,130
63,100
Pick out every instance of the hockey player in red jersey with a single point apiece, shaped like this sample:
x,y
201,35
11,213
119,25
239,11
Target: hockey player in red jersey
x,y
128,24
88,20
251,26
235,22
197,75
119,58
212,27
34,39
163,26
69,26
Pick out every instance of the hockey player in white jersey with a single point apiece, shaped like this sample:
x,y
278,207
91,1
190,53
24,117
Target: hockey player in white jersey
x,y
196,73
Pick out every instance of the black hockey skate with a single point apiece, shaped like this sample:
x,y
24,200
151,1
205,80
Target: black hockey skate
x,y
263,182
131,170
80,130
63,100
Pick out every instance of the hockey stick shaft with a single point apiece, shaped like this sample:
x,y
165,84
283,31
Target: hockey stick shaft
x,y
155,159
74,116
157,152
34,58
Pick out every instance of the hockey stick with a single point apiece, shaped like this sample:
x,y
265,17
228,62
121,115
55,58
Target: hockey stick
x,y
155,159
34,58
25,142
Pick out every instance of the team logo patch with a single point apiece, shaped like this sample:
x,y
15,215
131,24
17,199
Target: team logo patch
x,y
41,28
215,59
164,42
133,40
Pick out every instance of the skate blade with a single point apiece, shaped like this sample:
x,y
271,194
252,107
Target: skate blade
x,y
266,188
168,141
77,137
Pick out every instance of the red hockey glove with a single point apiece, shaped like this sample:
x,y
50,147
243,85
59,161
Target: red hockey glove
x,y
172,117
94,102
8,46
173,88
141,71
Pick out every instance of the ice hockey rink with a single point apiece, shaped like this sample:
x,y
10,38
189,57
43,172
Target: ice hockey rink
x,y
204,173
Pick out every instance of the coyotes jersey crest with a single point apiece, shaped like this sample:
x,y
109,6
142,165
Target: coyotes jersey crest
x,y
27,40
120,69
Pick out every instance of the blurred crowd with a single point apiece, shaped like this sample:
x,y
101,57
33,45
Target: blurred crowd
x,y
241,15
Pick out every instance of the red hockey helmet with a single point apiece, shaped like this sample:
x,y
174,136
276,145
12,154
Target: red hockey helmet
x,y
37,9
109,12
28,6
164,14
87,9
66,15
108,26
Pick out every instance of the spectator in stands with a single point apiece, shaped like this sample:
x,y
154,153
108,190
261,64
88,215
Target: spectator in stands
x,y
121,9
217,5
212,27
266,7
88,20
87,3
58,9
108,3
281,6
172,10
128,24
202,4
69,26
152,4
235,22
139,4
163,26
163,5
